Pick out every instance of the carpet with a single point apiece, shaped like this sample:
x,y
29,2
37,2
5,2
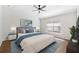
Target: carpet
x,y
50,49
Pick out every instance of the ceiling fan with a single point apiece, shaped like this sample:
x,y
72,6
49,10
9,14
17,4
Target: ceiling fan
x,y
39,8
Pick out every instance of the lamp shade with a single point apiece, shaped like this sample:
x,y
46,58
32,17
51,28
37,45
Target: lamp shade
x,y
13,29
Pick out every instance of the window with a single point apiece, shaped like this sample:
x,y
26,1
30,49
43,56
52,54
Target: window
x,y
50,27
53,27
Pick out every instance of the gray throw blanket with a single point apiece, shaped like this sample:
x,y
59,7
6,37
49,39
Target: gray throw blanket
x,y
18,41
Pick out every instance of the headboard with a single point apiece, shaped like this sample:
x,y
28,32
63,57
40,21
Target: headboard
x,y
24,30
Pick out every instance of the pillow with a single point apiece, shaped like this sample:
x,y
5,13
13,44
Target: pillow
x,y
29,30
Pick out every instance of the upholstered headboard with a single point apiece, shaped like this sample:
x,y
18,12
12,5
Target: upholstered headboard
x,y
24,30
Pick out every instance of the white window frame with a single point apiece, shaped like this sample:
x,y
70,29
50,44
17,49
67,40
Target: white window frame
x,y
54,27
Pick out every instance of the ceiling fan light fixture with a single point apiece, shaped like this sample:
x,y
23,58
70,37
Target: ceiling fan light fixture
x,y
39,8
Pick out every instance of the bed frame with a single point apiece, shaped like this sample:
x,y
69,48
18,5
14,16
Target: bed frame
x,y
21,30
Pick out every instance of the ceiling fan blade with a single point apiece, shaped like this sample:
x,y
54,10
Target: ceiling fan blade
x,y
35,6
43,10
43,6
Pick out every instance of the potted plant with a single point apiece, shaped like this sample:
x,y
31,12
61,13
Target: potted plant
x,y
73,34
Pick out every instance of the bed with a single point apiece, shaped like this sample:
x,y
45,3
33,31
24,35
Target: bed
x,y
33,42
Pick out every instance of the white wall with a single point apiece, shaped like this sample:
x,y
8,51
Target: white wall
x,y
67,20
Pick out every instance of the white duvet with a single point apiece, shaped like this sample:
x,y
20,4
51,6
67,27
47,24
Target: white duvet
x,y
36,43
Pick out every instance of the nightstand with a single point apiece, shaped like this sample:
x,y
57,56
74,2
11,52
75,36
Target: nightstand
x,y
72,47
11,36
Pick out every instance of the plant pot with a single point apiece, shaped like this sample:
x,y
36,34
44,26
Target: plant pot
x,y
74,41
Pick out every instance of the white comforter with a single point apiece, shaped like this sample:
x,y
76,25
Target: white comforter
x,y
36,43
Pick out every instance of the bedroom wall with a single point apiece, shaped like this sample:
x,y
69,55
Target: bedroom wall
x,y
67,20
9,20
21,12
